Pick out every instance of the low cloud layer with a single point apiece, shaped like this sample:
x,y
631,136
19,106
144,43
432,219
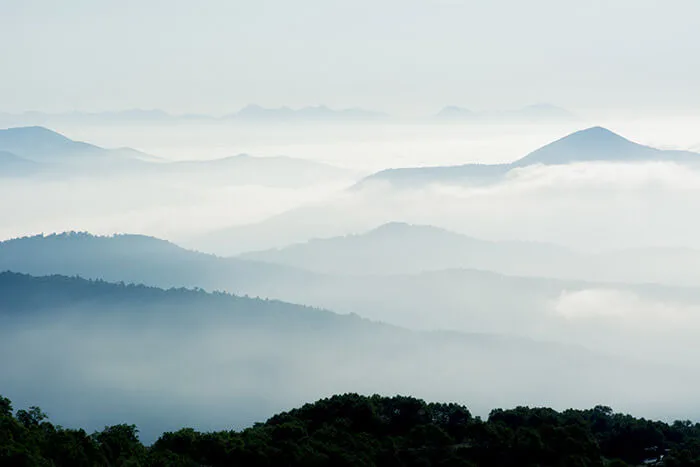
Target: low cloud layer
x,y
624,323
591,206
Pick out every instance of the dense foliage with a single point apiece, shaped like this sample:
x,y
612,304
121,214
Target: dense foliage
x,y
354,430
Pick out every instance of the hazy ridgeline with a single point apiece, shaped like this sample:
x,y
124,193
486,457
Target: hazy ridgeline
x,y
95,353
564,277
215,212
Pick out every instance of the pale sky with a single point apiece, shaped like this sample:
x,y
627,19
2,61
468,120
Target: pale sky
x,y
399,56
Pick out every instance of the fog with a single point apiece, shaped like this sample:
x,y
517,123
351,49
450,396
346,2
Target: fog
x,y
174,208
187,206
586,206
565,285
163,371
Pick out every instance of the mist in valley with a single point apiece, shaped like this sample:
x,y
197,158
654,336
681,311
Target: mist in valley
x,y
597,260
210,249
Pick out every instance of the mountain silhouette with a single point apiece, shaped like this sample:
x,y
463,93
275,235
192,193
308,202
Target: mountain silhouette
x,y
137,259
42,145
401,248
467,299
596,144
77,343
28,150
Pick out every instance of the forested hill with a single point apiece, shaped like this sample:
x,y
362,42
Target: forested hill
x,y
354,430
138,259
23,295
93,354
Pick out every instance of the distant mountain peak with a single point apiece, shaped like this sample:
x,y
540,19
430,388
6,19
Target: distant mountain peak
x,y
595,137
594,132
22,132
41,144
73,235
591,144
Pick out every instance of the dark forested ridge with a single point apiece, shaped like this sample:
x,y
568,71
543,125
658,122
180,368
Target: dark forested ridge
x,y
23,295
467,300
96,353
138,259
355,430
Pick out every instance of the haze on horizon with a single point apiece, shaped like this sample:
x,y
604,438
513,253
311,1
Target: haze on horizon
x,y
495,254
400,57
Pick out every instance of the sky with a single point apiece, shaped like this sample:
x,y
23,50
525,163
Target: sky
x,y
406,57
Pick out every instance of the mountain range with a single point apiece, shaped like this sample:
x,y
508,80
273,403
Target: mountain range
x,y
252,112
93,352
594,144
368,203
457,298
41,149
401,248
536,113
38,150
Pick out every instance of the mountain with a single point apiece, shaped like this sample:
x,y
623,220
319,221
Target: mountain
x,y
45,146
400,248
599,144
44,150
94,354
137,259
467,174
594,144
466,299
257,113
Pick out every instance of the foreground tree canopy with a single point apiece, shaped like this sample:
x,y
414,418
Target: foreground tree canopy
x,y
354,430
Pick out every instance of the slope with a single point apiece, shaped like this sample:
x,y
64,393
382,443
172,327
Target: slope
x,y
43,145
458,299
137,259
400,248
94,353
594,144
